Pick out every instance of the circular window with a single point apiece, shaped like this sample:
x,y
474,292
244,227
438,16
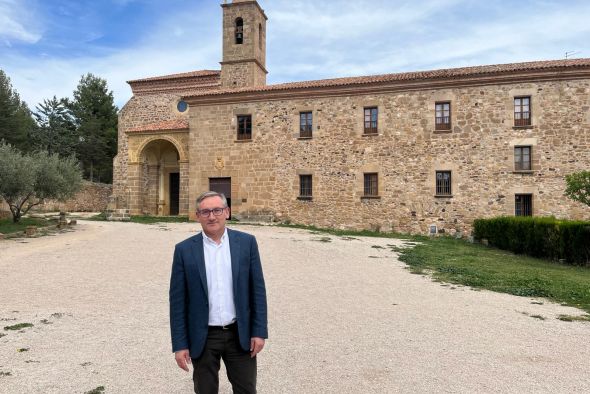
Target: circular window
x,y
182,106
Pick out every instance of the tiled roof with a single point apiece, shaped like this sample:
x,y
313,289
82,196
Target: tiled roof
x,y
175,124
199,73
447,73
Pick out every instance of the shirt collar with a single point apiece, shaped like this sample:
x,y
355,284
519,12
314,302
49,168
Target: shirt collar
x,y
210,240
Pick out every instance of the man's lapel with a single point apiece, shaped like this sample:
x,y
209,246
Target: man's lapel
x,y
199,258
234,250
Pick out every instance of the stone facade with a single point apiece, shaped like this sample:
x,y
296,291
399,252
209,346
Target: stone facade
x,y
405,153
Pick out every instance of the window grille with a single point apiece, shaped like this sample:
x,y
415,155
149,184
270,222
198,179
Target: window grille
x,y
443,183
371,187
523,204
305,186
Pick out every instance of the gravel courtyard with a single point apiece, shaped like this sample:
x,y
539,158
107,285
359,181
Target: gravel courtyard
x,y
345,316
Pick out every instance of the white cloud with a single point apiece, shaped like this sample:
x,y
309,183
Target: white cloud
x,y
165,50
312,40
17,23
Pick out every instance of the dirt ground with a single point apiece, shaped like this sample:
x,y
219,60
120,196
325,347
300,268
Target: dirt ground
x,y
345,316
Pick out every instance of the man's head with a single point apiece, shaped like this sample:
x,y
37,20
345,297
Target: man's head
x,y
212,212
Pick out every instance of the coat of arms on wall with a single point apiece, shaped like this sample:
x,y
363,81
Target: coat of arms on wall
x,y
219,163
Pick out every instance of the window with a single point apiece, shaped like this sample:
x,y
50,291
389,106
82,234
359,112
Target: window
x,y
245,127
182,106
442,119
371,187
239,31
305,189
443,183
371,120
522,158
260,36
305,124
522,111
523,205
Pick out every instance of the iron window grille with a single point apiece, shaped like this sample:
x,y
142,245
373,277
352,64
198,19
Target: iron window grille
x,y
245,127
305,186
371,188
443,183
522,111
371,116
442,119
522,158
305,124
523,205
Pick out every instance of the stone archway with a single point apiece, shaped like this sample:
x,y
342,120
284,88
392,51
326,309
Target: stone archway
x,y
160,178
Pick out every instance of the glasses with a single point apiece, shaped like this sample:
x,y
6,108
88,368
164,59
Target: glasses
x,y
206,212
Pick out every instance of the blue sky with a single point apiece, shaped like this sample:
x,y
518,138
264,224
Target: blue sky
x,y
46,45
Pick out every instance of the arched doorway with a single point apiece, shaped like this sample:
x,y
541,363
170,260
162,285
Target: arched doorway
x,y
160,179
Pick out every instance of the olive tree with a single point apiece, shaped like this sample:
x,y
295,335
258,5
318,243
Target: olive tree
x,y
578,187
26,180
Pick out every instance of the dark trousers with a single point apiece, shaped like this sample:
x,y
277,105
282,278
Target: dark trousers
x,y
240,367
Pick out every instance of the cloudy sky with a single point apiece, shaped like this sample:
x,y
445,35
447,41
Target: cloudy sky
x,y
46,45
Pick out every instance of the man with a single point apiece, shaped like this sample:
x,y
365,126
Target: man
x,y
218,301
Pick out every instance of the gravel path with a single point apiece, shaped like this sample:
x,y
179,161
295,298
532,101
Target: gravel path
x,y
345,316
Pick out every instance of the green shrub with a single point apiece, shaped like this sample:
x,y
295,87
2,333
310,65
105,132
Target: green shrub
x,y
544,237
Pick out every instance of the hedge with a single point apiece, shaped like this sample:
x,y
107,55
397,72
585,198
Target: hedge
x,y
544,237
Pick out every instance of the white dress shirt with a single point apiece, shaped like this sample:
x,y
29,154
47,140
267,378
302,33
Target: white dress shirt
x,y
222,310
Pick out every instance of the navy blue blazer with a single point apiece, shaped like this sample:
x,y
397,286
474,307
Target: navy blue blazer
x,y
189,303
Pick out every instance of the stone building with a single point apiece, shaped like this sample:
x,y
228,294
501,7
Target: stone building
x,y
403,152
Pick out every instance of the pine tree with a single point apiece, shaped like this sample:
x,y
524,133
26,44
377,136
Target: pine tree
x,y
56,131
16,121
96,121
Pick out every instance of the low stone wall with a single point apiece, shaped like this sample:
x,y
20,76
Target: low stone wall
x,y
93,197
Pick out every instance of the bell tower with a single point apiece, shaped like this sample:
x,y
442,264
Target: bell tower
x,y
244,44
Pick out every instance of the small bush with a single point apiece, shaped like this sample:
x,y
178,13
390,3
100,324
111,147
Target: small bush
x,y
544,237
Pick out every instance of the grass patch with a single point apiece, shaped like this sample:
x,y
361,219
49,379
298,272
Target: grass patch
x,y
478,266
145,219
574,318
322,239
7,227
361,233
159,219
17,327
538,317
22,349
98,390
2,373
101,217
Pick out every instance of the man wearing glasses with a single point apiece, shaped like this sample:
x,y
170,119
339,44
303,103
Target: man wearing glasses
x,y
218,301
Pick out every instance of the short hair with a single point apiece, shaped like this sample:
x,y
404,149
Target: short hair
x,y
211,194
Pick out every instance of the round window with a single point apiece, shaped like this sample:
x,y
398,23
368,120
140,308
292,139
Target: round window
x,y
182,106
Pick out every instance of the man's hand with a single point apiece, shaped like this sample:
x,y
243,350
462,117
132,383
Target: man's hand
x,y
183,359
256,345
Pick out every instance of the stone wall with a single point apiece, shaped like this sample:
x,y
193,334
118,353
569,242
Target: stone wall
x,y
405,153
93,197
